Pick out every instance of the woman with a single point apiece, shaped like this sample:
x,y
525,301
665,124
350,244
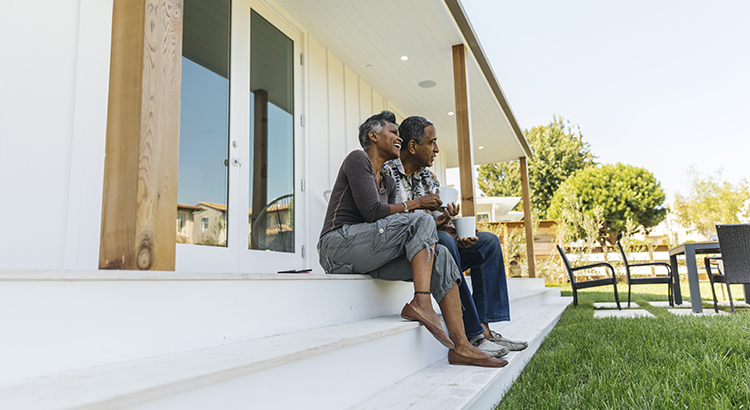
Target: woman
x,y
364,231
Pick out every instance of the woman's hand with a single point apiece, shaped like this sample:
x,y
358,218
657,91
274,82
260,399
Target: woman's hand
x,y
431,202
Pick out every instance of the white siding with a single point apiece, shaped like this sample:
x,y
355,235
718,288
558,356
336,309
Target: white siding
x,y
50,100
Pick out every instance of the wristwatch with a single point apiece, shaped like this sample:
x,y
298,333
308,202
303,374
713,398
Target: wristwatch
x,y
406,207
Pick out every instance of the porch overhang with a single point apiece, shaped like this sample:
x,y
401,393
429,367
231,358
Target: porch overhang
x,y
371,37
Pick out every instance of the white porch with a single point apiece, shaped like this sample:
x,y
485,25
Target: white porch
x,y
115,340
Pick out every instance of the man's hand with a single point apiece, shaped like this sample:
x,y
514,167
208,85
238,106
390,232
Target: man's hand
x,y
431,202
467,242
446,217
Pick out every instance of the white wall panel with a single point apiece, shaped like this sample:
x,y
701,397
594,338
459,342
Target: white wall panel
x,y
377,102
336,116
351,85
37,95
320,144
88,139
365,100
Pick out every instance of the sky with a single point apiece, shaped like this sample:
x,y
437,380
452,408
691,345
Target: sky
x,y
656,84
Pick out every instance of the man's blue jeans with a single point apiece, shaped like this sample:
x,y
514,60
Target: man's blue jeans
x,y
489,301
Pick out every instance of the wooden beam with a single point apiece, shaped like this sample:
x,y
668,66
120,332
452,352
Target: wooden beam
x,y
139,207
527,219
463,130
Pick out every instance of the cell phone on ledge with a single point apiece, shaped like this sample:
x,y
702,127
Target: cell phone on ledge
x,y
295,271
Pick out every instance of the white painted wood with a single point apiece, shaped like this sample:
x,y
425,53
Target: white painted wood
x,y
365,100
335,380
77,321
463,387
82,225
351,85
139,381
37,103
320,142
336,116
377,102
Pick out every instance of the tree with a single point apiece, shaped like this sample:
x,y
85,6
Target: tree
x,y
710,201
558,152
621,192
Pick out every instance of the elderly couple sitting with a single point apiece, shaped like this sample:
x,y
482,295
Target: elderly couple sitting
x,y
383,219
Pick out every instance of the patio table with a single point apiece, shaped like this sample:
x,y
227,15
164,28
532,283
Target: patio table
x,y
690,249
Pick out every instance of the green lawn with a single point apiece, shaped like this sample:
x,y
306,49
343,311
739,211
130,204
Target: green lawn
x,y
666,362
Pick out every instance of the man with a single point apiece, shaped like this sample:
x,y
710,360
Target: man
x,y
482,253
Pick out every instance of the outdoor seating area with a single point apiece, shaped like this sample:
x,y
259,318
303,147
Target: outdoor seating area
x,y
647,280
733,266
578,284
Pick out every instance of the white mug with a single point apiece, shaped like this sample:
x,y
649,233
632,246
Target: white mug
x,y
448,195
466,226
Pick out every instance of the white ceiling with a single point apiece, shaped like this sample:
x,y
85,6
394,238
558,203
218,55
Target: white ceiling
x,y
370,36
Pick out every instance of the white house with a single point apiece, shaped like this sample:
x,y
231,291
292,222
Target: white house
x,y
114,111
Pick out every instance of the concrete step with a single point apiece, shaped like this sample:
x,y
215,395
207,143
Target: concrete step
x,y
442,386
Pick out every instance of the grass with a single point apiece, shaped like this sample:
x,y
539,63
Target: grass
x,y
666,362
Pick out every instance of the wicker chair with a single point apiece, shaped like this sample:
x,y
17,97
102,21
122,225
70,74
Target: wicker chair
x,y
588,283
735,255
646,281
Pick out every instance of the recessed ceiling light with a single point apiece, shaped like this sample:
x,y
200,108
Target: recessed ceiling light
x,y
481,147
427,84
404,58
450,113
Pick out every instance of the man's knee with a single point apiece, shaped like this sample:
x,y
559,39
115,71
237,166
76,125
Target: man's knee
x,y
490,241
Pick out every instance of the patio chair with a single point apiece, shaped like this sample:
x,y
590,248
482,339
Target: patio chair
x,y
588,283
718,277
734,240
647,281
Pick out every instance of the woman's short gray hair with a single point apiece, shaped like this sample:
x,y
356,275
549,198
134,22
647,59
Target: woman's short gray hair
x,y
374,124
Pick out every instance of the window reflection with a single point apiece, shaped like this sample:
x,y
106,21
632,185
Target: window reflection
x,y
271,216
202,193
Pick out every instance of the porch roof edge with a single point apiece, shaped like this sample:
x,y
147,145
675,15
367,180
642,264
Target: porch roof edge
x,y
459,15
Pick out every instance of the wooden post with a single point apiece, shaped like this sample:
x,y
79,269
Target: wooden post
x,y
527,220
463,128
139,206
651,258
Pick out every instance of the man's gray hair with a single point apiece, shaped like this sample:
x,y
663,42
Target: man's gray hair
x,y
412,128
374,124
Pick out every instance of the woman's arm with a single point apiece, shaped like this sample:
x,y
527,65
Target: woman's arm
x,y
361,178
428,202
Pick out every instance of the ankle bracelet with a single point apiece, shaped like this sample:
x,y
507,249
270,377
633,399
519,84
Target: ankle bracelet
x,y
419,292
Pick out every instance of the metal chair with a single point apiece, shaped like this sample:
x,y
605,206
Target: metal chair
x,y
647,281
734,240
719,277
588,283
